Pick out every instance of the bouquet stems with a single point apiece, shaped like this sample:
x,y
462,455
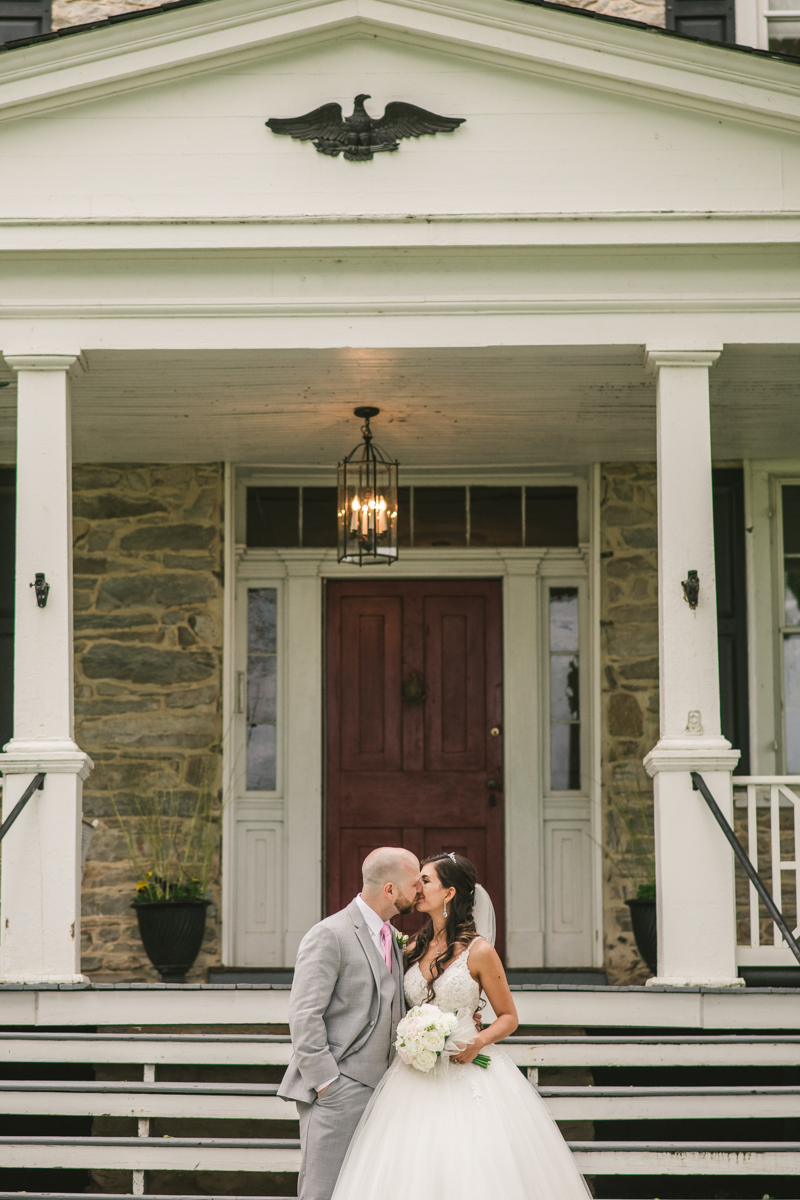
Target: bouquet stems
x,y
481,1060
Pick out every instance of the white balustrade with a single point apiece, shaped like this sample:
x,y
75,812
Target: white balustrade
x,y
754,797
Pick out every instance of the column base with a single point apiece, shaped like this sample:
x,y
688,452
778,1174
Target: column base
x,y
53,756
677,981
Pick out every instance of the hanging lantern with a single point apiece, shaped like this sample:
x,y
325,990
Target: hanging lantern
x,y
367,501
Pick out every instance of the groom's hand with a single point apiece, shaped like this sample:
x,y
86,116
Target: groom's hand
x,y
476,1016
322,1091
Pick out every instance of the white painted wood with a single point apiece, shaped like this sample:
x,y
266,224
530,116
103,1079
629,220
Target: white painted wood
x,y
646,1104
226,1154
773,793
40,891
652,1053
680,1158
532,1055
628,1008
524,572
568,862
524,732
694,864
303,744
258,867
201,1050
199,1101
150,1154
235,1102
596,716
229,746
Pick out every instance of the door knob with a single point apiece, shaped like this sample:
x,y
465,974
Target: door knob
x,y
493,785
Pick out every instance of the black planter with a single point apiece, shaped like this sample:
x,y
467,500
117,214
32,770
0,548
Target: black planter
x,y
645,931
172,934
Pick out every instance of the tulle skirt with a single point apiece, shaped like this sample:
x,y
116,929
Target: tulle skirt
x,y
458,1133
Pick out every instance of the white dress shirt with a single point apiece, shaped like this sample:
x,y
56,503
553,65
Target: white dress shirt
x,y
374,925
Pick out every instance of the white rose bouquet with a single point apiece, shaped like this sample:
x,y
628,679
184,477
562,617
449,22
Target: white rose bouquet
x,y
422,1037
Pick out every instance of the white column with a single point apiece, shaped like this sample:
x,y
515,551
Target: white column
x,y
694,863
41,859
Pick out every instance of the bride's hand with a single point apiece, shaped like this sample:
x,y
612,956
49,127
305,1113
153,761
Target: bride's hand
x,y
468,1053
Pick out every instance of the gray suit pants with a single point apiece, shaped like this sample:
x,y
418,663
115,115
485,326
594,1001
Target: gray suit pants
x,y
326,1130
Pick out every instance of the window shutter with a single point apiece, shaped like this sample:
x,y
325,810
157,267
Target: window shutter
x,y
729,553
23,19
712,20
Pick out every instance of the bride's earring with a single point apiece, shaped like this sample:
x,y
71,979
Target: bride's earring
x,y
445,910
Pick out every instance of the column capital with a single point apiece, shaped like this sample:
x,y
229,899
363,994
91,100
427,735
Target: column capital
x,y
655,358
63,361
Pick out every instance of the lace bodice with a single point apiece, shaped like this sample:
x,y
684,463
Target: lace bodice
x,y
456,990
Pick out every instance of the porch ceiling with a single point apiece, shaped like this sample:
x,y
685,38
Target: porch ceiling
x,y
493,406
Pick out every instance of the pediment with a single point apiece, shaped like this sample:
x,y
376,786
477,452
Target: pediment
x,y
169,120
574,46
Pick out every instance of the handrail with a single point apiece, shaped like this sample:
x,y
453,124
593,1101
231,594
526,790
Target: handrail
x,y
36,783
699,784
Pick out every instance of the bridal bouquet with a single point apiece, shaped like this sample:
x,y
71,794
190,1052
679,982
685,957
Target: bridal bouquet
x,y
422,1038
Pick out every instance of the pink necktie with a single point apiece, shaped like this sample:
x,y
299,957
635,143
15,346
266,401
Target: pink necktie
x,y
386,938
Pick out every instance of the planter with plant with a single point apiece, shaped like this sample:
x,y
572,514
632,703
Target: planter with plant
x,y
172,838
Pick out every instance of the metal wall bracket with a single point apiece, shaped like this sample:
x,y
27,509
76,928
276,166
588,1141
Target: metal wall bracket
x,y
42,589
691,588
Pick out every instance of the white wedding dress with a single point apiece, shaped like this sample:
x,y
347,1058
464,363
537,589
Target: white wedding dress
x,y
460,1132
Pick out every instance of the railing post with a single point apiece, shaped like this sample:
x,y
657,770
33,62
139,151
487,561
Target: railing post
x,y
40,888
694,867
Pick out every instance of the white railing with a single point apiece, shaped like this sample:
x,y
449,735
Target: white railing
x,y
757,797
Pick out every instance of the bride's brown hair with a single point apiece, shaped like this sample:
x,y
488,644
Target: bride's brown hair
x,y
454,872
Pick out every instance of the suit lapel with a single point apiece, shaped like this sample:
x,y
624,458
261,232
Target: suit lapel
x,y
398,969
367,944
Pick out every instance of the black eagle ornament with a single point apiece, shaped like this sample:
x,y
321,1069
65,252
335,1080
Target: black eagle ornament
x,y
360,136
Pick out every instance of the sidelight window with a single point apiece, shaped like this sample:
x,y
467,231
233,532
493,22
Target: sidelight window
x,y
261,691
790,624
565,727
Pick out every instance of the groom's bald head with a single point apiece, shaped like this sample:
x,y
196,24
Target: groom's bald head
x,y
391,876
386,865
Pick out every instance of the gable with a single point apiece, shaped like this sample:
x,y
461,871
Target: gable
x,y
197,146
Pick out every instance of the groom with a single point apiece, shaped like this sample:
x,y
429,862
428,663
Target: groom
x,y
346,1001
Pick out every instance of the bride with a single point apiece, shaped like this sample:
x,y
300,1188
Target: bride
x,y
459,1132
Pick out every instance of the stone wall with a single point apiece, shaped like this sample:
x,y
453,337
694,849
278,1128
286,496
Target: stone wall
x,y
629,666
78,12
148,654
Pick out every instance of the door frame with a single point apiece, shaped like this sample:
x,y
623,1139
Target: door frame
x,y
297,811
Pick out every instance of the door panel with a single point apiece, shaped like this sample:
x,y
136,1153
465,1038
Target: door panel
x,y
455,660
371,663
405,769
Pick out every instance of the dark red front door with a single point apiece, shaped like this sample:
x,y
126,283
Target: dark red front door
x,y
425,773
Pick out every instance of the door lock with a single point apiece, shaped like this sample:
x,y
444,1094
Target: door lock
x,y
493,785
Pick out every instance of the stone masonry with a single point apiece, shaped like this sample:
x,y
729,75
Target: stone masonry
x,y
629,666
148,653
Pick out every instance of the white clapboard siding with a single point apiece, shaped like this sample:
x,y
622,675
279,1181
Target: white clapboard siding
x,y
216,1101
151,1154
687,1158
649,1103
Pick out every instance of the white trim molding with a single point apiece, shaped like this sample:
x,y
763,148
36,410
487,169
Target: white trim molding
x,y
532,814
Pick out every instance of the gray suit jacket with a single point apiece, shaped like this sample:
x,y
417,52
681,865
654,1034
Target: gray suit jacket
x,y
344,1006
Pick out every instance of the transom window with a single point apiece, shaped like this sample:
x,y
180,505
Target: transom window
x,y
478,516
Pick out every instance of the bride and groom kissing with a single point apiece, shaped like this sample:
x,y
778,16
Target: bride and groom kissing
x,y
371,1126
